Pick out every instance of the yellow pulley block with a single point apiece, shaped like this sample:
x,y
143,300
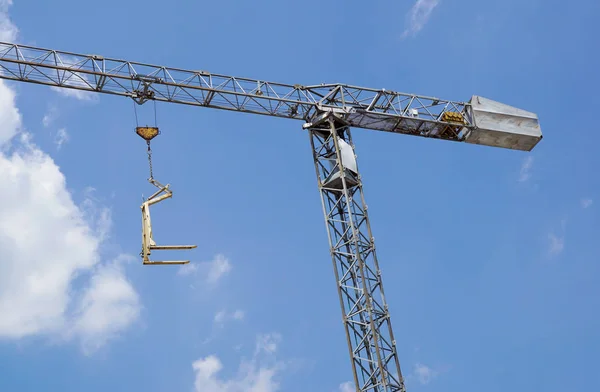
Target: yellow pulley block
x,y
147,133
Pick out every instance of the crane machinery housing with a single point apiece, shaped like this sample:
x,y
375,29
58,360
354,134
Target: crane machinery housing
x,y
328,111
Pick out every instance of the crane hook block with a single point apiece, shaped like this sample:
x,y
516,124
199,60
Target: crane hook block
x,y
148,244
147,133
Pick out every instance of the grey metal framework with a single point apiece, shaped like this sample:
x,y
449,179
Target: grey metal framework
x,y
328,112
367,323
367,108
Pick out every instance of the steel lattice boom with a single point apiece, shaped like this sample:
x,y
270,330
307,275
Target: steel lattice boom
x,y
375,109
328,112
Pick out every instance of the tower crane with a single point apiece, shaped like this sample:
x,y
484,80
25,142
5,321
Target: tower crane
x,y
328,112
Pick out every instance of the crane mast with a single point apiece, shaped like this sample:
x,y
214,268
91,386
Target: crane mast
x,y
328,112
366,318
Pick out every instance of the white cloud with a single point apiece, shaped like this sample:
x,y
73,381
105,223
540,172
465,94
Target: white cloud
x,y
238,315
557,244
347,386
220,319
48,244
50,116
61,137
418,16
212,270
10,118
267,343
8,31
259,374
219,267
47,241
188,269
525,172
424,373
108,305
222,316
585,203
77,94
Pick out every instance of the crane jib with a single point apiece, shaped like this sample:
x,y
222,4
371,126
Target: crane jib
x,y
367,108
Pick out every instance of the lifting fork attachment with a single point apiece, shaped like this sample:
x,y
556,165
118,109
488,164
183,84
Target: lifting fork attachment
x,y
148,244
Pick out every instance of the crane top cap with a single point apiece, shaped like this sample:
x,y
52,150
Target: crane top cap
x,y
147,133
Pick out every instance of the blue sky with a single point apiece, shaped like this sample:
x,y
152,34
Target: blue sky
x,y
489,256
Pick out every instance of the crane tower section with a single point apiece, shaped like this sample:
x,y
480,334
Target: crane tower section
x,y
366,319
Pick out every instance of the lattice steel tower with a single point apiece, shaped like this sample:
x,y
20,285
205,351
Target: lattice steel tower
x,y
367,323
328,112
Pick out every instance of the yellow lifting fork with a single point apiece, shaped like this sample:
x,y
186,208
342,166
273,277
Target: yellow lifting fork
x,y
148,244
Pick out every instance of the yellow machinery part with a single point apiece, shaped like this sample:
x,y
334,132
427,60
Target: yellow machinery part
x,y
148,244
147,133
454,117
